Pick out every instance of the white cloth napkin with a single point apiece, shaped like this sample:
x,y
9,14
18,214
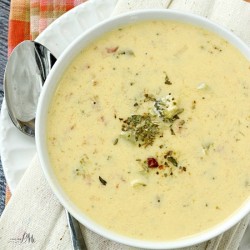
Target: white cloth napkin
x,y
34,219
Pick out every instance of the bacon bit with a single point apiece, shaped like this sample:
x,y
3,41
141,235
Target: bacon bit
x,y
112,49
152,163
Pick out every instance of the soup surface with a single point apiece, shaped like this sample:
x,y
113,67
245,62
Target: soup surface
x,y
148,131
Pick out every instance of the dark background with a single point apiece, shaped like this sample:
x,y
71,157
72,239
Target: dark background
x,y
4,17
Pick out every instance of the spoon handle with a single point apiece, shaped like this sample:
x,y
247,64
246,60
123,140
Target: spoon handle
x,y
77,240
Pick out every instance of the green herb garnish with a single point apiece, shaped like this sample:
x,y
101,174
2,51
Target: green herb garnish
x,y
140,129
167,81
115,141
102,181
172,160
128,52
149,97
79,171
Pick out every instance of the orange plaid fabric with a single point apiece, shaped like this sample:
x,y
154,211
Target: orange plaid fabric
x,y
28,18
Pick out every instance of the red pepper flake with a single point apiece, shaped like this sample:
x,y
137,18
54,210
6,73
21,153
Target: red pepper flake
x,y
161,167
112,49
152,163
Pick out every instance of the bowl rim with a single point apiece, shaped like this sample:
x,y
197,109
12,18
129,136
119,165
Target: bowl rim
x,y
50,87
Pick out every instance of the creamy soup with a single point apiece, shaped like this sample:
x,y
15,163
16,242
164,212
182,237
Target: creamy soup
x,y
148,131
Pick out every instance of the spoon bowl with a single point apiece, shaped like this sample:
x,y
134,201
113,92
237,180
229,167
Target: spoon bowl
x,y
25,73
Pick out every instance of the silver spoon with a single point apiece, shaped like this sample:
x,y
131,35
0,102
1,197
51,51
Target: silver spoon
x,y
26,71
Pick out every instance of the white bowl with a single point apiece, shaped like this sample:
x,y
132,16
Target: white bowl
x,y
48,92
